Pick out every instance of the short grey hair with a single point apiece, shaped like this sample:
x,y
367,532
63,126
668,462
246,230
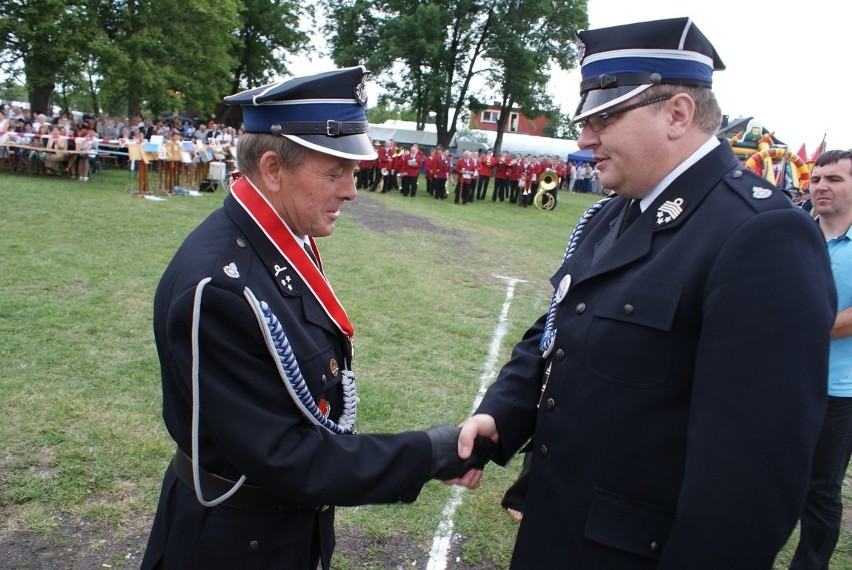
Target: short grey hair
x,y
251,147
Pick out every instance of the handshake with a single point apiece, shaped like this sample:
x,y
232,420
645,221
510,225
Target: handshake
x,y
446,463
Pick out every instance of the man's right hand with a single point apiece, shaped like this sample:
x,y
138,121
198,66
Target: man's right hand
x,y
479,425
482,426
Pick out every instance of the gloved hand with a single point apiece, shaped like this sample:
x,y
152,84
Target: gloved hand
x,y
446,463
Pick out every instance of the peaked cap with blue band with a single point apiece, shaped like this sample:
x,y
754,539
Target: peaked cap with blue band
x,y
622,61
326,112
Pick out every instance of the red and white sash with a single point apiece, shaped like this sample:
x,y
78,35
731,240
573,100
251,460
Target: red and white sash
x,y
261,211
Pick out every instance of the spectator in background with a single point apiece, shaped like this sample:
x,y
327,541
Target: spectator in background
x,y
147,129
110,130
55,161
831,195
200,134
84,147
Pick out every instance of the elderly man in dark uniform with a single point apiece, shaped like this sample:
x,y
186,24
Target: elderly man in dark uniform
x,y
256,355
674,428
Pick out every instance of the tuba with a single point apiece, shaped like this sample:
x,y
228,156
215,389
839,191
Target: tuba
x,y
544,200
548,181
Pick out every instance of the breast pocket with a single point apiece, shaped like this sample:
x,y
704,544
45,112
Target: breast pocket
x,y
322,370
630,340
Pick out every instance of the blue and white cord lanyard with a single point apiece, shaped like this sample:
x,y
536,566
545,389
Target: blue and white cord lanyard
x,y
548,338
282,353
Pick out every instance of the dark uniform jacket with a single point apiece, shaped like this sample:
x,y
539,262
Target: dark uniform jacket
x,y
249,423
676,428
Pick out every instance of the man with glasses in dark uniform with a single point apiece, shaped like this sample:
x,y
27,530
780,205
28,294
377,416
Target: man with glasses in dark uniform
x,y
674,427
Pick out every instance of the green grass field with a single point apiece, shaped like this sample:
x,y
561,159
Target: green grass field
x,y
83,443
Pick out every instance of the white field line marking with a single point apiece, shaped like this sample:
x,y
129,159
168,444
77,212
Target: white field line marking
x,y
444,533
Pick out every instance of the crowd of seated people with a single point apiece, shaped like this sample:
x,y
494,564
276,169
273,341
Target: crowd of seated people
x,y
65,146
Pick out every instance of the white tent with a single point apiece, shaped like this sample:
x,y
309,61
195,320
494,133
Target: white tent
x,y
406,133
516,143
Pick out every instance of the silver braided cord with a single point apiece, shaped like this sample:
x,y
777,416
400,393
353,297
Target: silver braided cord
x,y
288,368
548,338
196,405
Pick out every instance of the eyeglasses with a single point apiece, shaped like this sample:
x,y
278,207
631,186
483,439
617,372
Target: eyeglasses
x,y
598,121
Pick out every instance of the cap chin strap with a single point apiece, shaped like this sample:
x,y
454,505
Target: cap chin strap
x,y
328,128
622,79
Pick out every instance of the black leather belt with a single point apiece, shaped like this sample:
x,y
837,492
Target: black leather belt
x,y
247,497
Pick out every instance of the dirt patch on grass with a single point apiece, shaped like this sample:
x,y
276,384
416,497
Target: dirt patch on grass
x,y
355,549
76,544
369,212
72,544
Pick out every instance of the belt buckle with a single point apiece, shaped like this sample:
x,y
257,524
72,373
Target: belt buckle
x,y
332,128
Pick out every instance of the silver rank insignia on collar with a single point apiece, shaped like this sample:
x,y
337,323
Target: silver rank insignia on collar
x,y
669,211
759,193
284,280
231,270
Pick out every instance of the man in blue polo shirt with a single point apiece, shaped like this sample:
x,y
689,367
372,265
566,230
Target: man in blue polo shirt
x,y
831,195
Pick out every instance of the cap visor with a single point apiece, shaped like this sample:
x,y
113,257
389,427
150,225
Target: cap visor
x,y
598,100
354,147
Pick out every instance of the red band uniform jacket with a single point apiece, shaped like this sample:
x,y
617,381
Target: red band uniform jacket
x,y
676,428
249,423
412,169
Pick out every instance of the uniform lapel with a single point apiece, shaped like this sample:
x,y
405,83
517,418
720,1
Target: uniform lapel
x,y
286,279
682,198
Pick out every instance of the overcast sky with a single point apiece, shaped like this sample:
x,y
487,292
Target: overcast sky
x,y
788,63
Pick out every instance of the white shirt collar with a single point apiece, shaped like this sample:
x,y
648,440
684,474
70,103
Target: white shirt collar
x,y
702,151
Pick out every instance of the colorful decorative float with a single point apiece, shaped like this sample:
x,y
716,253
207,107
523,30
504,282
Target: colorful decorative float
x,y
762,153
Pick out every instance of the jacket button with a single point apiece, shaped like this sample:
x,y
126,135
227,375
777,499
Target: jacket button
x,y
551,403
581,308
737,174
241,242
254,545
323,380
628,309
655,546
543,450
560,355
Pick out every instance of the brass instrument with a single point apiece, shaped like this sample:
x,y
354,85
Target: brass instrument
x,y
544,200
548,181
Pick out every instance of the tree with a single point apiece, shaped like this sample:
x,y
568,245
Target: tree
x,y
166,53
386,110
425,51
559,126
527,38
37,39
267,30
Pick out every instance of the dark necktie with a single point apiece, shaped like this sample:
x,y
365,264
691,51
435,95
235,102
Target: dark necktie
x,y
311,254
633,212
